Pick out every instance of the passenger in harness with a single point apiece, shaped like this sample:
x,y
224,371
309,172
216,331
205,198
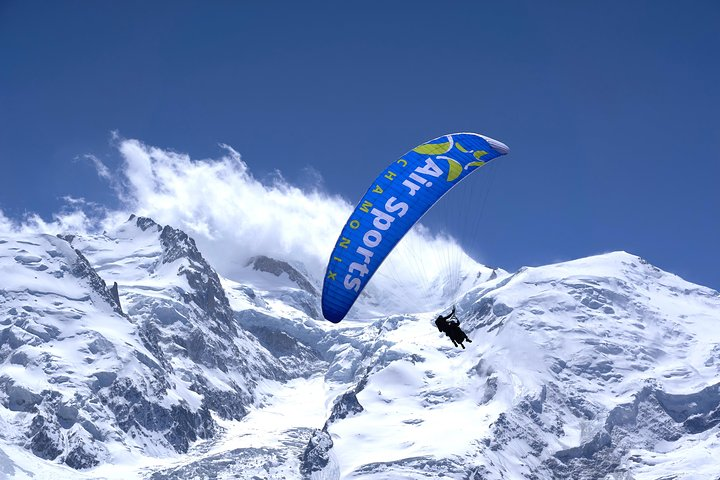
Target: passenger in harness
x,y
450,326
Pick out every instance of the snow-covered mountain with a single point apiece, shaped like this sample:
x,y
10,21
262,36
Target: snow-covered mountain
x,y
601,367
125,355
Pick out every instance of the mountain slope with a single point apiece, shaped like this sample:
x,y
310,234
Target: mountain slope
x,y
577,370
91,374
65,347
604,367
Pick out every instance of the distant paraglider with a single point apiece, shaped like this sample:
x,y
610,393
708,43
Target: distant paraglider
x,y
395,201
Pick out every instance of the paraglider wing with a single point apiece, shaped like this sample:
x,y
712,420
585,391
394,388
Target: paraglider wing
x,y
395,201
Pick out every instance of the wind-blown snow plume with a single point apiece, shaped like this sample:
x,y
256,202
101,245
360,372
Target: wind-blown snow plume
x,y
234,216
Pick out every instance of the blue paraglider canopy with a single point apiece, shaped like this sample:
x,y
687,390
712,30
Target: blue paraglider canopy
x,y
393,203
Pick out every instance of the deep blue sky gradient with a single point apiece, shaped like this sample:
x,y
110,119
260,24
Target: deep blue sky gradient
x,y
611,109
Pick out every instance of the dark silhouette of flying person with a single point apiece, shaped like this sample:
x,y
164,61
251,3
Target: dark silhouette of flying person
x,y
450,326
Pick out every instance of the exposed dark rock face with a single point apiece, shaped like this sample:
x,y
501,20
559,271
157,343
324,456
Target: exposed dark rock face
x,y
114,293
82,269
45,439
297,357
133,410
20,399
347,404
205,289
145,223
317,453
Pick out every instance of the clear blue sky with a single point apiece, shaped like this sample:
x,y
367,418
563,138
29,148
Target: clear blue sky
x,y
611,109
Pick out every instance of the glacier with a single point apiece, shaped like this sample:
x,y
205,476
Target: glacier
x,y
125,354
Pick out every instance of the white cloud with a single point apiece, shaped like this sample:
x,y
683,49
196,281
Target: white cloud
x,y
69,222
75,215
232,215
6,225
102,170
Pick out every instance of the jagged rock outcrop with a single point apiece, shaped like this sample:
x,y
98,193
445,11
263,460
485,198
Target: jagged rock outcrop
x,y
317,453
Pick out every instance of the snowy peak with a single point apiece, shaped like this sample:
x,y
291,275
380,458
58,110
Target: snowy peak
x,y
278,268
144,223
615,316
164,279
205,289
177,244
178,251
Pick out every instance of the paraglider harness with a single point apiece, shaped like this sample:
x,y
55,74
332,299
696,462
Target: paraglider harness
x,y
450,326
